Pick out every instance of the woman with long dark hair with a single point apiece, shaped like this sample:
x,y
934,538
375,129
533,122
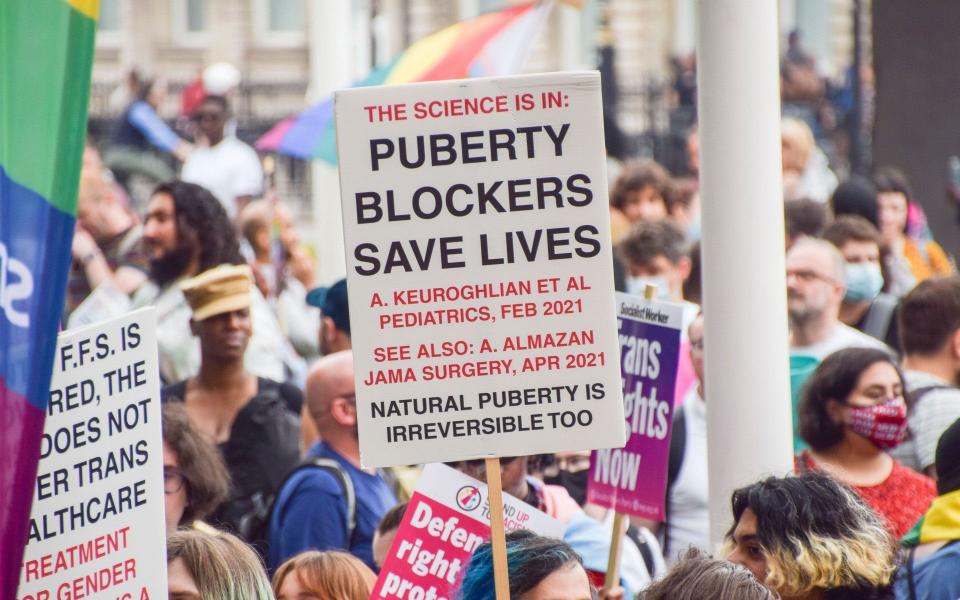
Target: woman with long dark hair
x,y
852,410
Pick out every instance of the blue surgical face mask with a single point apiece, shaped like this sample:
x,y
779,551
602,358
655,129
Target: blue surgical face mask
x,y
864,281
638,285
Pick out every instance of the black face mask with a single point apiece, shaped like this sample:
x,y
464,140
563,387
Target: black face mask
x,y
575,483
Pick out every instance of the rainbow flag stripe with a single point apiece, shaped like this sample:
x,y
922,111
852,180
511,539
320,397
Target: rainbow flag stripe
x,y
492,44
46,54
941,522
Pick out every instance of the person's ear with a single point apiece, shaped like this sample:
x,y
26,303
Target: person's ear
x,y
955,344
684,265
344,412
342,340
835,410
328,327
263,237
840,288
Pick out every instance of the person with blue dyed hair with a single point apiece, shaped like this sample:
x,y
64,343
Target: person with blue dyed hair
x,y
540,568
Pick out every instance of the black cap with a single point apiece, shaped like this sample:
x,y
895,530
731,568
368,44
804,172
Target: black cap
x,y
332,302
948,460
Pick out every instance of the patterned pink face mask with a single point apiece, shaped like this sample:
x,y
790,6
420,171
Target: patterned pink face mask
x,y
883,424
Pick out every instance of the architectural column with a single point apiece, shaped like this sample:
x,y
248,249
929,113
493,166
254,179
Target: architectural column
x,y
747,375
331,67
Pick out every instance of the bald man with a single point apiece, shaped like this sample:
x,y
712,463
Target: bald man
x,y
815,290
313,509
106,243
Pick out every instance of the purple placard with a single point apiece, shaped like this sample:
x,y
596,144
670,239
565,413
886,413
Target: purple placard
x,y
633,479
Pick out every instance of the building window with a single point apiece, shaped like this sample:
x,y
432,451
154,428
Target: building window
x,y
190,23
286,15
281,22
109,33
109,16
195,21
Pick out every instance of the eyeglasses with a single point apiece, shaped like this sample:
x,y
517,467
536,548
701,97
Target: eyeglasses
x,y
173,480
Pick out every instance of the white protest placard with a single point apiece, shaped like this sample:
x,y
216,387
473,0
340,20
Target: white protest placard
x,y
97,527
479,268
447,518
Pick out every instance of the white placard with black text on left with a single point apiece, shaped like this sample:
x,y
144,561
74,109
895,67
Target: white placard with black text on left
x,y
97,526
479,266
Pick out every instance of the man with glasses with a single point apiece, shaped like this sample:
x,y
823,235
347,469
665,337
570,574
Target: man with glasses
x,y
331,503
815,290
222,164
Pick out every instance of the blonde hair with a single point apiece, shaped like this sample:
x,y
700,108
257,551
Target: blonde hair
x,y
798,133
328,575
253,218
823,562
222,566
816,534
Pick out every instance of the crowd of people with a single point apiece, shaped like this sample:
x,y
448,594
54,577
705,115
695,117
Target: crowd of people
x,y
262,468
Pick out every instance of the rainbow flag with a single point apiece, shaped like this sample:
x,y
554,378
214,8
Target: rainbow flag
x,y
941,522
492,44
46,54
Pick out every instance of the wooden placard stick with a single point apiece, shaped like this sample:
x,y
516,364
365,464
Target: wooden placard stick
x,y
498,538
612,577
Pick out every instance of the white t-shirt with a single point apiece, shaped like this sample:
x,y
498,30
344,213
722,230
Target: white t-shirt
x,y
230,169
842,337
690,312
936,410
689,506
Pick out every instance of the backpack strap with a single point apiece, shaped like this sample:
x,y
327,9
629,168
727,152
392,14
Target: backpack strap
x,y
911,585
879,316
645,552
346,484
678,446
913,397
336,469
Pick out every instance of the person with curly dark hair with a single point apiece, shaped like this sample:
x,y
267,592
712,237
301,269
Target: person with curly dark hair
x,y
195,480
639,193
186,231
810,537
